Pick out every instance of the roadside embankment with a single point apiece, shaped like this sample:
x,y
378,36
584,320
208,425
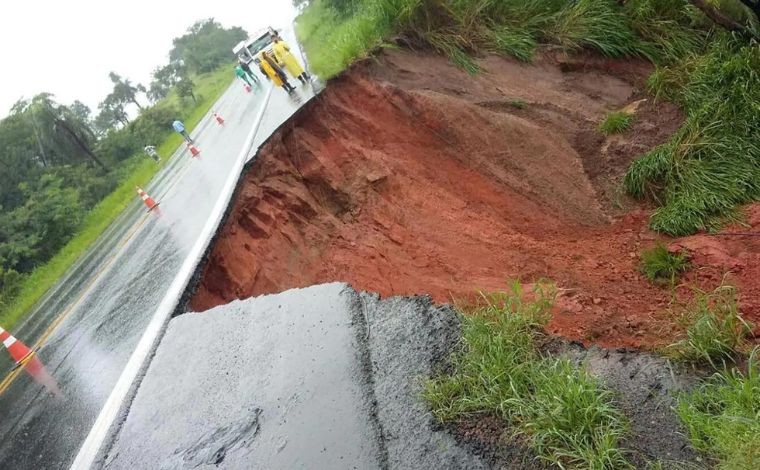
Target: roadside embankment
x,y
410,176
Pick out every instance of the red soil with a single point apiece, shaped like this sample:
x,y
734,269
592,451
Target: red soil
x,y
408,177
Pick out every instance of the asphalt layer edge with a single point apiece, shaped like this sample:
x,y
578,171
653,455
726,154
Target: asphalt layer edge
x,y
183,306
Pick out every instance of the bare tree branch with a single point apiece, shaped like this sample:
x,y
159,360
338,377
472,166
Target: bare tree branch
x,y
719,18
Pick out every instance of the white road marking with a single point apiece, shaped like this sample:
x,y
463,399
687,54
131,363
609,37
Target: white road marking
x,y
100,430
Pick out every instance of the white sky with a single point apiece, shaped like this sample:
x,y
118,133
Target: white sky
x,y
67,47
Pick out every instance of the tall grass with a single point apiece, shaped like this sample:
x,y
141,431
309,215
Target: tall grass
x,y
713,162
722,417
459,28
714,331
564,415
139,170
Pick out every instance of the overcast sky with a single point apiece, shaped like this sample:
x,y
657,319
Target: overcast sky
x,y
67,47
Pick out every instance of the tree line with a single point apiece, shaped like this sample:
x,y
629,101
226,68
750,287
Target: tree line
x,y
58,160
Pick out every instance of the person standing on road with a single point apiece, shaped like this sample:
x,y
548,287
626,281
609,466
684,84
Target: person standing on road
x,y
180,129
284,56
242,75
247,69
273,73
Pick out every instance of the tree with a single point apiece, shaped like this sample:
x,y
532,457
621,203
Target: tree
x,y
205,46
37,229
299,4
123,90
164,78
185,88
61,136
111,114
81,111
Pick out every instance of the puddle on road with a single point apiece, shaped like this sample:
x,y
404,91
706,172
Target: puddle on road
x,y
213,448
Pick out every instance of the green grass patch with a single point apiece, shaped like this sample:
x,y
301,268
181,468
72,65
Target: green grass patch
x,y
332,41
518,104
661,266
562,413
714,331
138,171
722,417
616,122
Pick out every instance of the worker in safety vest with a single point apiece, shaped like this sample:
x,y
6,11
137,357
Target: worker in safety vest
x,y
285,57
270,70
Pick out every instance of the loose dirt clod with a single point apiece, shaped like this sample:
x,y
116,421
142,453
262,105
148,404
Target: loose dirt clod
x,y
409,176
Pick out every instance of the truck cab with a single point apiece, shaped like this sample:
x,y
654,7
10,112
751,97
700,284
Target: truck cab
x,y
247,50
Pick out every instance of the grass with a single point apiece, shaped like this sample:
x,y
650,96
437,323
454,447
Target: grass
x,y
334,38
518,104
616,122
563,414
661,266
332,43
714,331
722,417
712,163
141,169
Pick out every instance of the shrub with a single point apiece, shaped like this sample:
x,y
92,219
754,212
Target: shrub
x,y
661,266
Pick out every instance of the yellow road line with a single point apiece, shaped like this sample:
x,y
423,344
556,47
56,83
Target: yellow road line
x,y
11,376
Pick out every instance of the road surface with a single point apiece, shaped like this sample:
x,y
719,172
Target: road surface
x,y
90,323
320,377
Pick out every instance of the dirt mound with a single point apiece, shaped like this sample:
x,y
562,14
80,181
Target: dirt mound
x,y
410,176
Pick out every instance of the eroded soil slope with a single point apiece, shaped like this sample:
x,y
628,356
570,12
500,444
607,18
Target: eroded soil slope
x,y
408,176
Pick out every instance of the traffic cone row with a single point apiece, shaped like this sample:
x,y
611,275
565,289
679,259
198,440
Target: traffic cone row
x,y
149,202
18,350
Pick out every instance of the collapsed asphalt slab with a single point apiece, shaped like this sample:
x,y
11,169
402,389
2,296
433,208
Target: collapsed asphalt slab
x,y
320,377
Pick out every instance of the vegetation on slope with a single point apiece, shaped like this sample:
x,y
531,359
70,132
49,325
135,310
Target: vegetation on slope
x,y
567,417
708,59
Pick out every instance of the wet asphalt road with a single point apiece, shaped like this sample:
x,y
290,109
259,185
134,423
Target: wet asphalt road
x,y
319,377
275,382
102,306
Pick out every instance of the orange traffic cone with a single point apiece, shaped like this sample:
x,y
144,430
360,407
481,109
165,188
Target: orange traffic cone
x,y
194,151
247,88
18,350
149,202
219,120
